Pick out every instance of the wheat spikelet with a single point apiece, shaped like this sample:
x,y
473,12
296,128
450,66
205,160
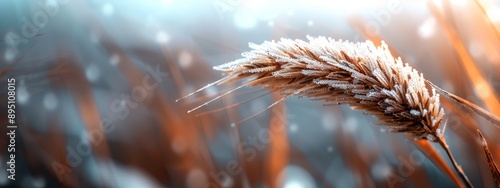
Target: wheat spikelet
x,y
361,75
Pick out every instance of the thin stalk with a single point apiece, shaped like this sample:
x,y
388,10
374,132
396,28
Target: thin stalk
x,y
442,143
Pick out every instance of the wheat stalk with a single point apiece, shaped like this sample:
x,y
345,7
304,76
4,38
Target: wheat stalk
x,y
364,76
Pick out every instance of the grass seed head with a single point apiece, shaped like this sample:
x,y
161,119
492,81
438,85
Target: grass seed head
x,y
364,76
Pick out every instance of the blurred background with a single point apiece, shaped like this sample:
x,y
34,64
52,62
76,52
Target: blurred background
x,y
96,83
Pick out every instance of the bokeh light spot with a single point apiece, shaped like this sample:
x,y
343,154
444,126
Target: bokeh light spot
x,y
50,101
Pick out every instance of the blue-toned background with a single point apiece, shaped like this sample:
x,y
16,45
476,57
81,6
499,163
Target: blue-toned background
x,y
97,81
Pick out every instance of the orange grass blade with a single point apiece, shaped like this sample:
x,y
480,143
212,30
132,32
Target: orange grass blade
x,y
483,10
278,149
76,82
495,172
434,156
482,87
358,22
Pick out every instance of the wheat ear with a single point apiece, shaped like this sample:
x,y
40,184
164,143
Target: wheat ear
x,y
361,75
364,76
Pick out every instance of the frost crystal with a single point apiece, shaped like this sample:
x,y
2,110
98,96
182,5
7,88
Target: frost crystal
x,y
415,112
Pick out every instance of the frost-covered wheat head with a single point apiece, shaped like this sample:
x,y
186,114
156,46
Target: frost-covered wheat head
x,y
364,76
